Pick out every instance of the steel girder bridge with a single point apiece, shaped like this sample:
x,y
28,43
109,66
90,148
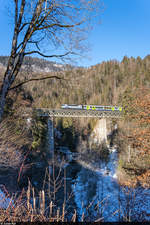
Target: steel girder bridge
x,y
74,113
52,113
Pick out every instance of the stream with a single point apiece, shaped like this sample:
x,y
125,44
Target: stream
x,y
96,194
99,197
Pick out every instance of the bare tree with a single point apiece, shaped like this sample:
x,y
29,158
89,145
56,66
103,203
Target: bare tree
x,y
63,24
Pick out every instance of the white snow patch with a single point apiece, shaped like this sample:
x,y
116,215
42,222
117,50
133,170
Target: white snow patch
x,y
4,202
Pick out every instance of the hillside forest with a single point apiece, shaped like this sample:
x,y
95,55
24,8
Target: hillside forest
x,y
125,83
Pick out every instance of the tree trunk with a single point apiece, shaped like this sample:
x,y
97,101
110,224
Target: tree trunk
x,y
9,78
3,92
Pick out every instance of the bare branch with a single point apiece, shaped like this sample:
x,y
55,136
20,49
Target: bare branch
x,y
19,46
16,12
37,79
49,10
21,28
47,56
21,12
36,42
59,25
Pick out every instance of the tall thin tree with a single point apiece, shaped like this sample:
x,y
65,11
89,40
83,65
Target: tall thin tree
x,y
59,23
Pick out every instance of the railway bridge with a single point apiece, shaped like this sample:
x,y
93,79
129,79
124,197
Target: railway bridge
x,y
52,113
77,113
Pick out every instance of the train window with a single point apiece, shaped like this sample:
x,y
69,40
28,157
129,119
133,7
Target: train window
x,y
99,107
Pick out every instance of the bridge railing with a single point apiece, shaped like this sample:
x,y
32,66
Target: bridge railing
x,y
73,113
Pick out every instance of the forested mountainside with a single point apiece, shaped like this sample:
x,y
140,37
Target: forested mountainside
x,y
37,65
108,83
104,83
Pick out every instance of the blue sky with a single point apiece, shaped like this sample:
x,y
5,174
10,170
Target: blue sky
x,y
124,30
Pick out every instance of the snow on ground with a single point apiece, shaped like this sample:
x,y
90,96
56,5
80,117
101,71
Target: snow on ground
x,y
4,201
116,203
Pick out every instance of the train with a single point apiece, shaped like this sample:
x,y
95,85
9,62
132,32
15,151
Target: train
x,y
92,107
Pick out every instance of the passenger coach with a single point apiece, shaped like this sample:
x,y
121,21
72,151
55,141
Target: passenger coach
x,y
91,107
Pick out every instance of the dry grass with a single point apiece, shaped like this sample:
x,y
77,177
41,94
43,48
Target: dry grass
x,y
20,209
32,205
42,206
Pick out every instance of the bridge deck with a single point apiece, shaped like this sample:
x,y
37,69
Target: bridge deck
x,y
76,113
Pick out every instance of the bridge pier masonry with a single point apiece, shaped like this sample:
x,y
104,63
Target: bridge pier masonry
x,y
102,129
50,136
